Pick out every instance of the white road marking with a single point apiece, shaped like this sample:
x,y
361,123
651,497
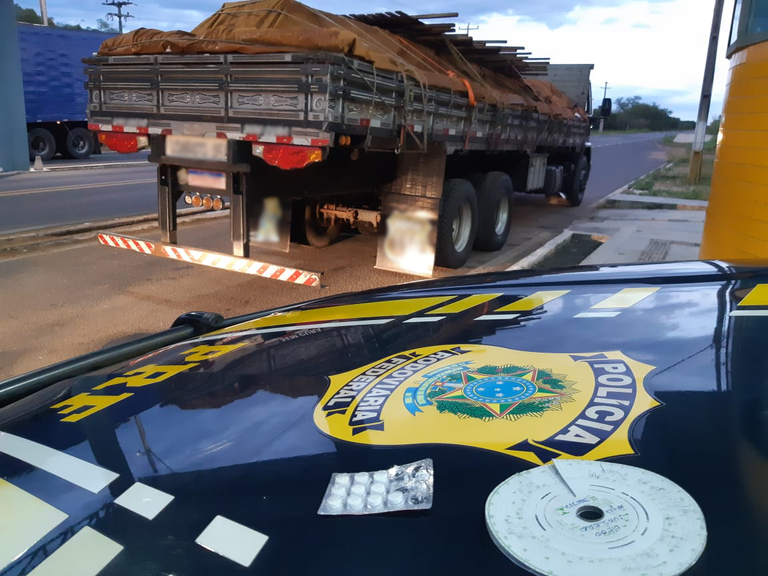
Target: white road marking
x,y
25,520
424,319
144,500
497,317
232,540
749,313
79,472
85,554
597,315
74,187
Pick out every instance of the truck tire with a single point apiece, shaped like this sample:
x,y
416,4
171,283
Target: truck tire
x,y
457,223
80,143
577,182
494,210
317,234
41,143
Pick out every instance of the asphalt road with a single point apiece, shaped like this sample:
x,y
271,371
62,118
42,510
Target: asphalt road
x,y
80,297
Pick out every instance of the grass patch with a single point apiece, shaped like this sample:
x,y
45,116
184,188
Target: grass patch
x,y
672,181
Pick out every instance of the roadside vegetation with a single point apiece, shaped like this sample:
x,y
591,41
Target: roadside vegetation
x,y
672,181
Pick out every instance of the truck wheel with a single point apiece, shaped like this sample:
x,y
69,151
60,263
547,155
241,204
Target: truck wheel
x,y
494,210
577,182
319,235
457,224
41,143
80,143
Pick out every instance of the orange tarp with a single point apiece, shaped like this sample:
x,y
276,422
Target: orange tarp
x,y
268,26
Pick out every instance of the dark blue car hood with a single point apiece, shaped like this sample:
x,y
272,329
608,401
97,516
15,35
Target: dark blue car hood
x,y
250,423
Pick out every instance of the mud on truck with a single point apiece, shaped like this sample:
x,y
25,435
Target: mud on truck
x,y
305,123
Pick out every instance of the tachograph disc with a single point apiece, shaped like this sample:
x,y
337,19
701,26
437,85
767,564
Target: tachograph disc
x,y
595,519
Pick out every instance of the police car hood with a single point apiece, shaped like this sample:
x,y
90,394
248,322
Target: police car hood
x,y
661,367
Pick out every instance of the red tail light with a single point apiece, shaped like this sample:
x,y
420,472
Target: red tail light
x,y
287,157
122,142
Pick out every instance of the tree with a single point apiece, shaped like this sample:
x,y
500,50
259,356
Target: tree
x,y
27,15
634,114
105,26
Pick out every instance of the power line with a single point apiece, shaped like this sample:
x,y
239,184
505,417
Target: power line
x,y
119,14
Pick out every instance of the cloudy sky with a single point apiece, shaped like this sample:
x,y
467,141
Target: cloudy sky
x,y
651,48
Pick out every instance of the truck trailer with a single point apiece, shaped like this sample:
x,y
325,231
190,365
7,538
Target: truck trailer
x,y
54,97
305,122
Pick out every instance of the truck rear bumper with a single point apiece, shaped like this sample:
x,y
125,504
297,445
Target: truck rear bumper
x,y
211,259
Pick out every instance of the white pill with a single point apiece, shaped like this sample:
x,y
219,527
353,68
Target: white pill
x,y
358,490
335,502
395,498
355,502
362,478
378,488
375,500
342,480
339,490
381,477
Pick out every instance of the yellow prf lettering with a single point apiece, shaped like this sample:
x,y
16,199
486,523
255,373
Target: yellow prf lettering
x,y
95,403
150,374
205,352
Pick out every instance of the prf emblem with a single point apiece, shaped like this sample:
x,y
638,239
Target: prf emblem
x,y
533,406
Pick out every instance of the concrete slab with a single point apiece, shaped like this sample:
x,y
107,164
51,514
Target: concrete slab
x,y
620,248
614,214
702,204
679,252
687,138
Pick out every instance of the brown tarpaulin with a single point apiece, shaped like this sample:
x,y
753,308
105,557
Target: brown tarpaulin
x,y
268,26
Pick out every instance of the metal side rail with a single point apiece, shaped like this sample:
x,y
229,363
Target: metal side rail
x,y
212,259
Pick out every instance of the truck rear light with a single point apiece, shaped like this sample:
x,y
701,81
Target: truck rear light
x,y
207,202
218,203
287,157
122,142
197,201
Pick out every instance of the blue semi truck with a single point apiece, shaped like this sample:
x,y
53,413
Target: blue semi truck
x,y
54,94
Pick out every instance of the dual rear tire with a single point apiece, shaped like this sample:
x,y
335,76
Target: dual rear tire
x,y
473,214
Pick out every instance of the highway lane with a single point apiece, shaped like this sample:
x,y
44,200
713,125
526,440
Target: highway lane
x,y
56,198
77,298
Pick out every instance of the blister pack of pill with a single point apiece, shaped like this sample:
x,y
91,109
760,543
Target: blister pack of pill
x,y
407,487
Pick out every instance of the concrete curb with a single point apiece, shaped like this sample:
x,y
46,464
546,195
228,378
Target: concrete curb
x,y
542,252
72,235
94,166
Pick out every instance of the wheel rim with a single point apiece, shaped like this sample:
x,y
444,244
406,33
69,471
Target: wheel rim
x,y
502,215
461,227
80,145
39,145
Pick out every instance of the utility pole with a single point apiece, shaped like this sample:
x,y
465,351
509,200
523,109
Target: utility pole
x,y
468,28
14,148
44,12
602,118
697,151
119,14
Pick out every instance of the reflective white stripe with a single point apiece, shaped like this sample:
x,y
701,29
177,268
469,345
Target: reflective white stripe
x,y
111,241
597,315
749,313
25,520
232,540
144,500
302,141
79,472
209,259
85,554
625,298
425,319
271,270
497,317
294,328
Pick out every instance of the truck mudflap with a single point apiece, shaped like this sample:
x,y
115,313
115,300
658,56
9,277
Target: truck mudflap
x,y
212,259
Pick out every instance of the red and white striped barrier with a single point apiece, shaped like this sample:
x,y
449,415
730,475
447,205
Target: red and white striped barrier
x,y
213,259
116,241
